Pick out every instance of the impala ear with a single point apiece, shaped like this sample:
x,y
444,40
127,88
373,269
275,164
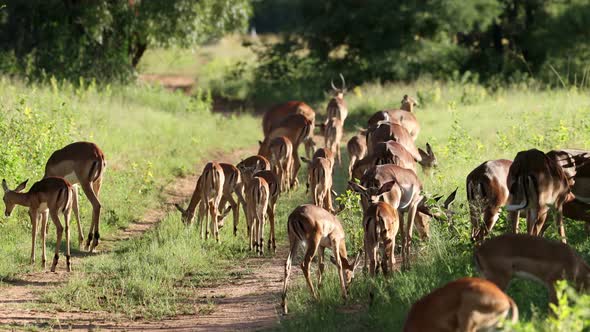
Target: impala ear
x,y
450,199
386,187
422,153
21,186
4,185
429,149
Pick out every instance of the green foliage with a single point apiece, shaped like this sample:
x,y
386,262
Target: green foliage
x,y
105,39
351,216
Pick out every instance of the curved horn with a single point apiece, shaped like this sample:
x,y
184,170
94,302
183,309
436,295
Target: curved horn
x,y
333,86
343,82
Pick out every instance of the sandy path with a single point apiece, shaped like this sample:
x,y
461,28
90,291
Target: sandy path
x,y
246,300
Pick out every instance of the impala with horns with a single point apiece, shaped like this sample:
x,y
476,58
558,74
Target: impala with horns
x,y
52,195
536,183
318,229
207,194
333,137
81,163
501,258
296,128
357,149
487,192
276,116
337,106
281,160
319,180
466,305
380,223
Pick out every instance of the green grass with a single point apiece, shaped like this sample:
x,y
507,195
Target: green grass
x,y
149,136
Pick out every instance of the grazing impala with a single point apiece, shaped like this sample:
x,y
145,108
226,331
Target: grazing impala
x,y
208,193
536,182
231,185
319,180
487,192
333,136
337,106
357,149
318,229
81,163
296,128
392,152
466,305
274,191
381,223
410,199
281,160
52,196
276,116
501,258
257,197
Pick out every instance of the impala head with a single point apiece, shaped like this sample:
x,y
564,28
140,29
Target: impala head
x,y
7,201
349,267
183,214
408,104
339,92
428,158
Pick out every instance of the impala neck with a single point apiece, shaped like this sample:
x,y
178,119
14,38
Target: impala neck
x,y
19,198
192,206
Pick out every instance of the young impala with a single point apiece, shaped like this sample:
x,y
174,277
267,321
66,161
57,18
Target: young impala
x,y
281,160
381,223
318,229
320,182
501,258
52,196
208,193
333,136
81,163
257,197
357,149
466,305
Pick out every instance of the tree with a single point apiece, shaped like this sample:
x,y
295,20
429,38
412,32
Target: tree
x,y
107,38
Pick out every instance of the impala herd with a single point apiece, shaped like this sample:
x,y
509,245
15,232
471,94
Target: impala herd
x,y
383,171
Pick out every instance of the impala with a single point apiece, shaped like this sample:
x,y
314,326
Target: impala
x,y
208,192
333,136
381,223
536,182
318,229
296,128
51,195
392,152
411,197
337,106
403,117
466,305
257,197
357,149
276,116
386,131
274,191
501,258
247,168
81,163
487,192
320,182
231,185
281,160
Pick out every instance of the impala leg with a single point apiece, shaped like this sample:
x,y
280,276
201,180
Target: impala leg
x,y
261,219
540,219
75,207
292,253
411,217
44,216
559,221
513,219
93,234
59,231
351,165
338,154
372,256
320,266
202,222
235,212
389,256
34,215
336,251
312,247
271,218
67,214
403,231
296,166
